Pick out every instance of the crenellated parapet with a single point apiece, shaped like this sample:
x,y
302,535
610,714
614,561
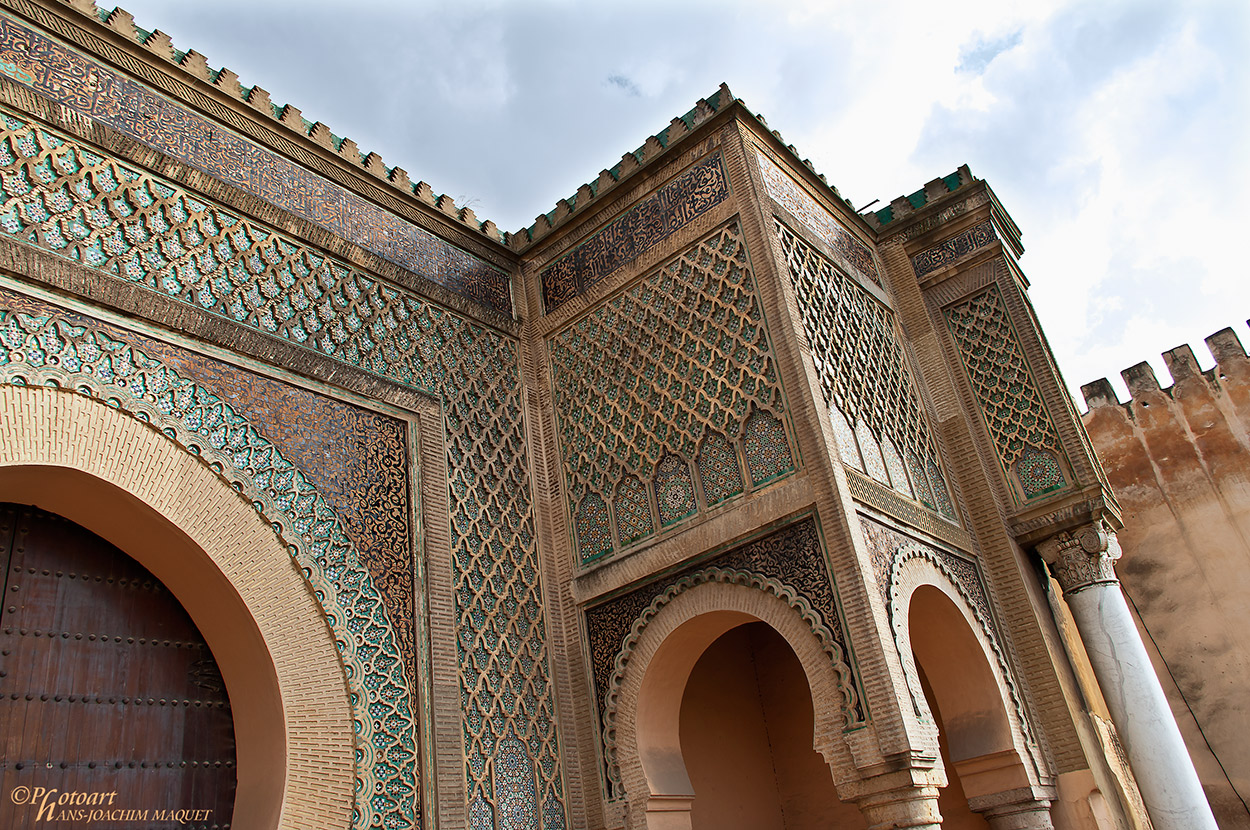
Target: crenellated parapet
x,y
196,67
905,206
592,194
1185,442
1228,378
951,252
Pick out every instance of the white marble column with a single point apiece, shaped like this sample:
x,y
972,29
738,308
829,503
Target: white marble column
x,y
1083,563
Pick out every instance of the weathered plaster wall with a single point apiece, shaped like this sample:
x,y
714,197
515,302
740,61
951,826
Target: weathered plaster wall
x,y
1179,460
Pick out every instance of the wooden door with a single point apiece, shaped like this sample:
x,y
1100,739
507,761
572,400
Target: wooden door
x,y
112,710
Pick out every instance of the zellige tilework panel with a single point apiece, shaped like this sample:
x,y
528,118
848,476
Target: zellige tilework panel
x,y
81,83
867,385
1018,421
127,224
49,350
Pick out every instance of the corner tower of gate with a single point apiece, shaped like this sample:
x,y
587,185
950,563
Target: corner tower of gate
x,y
743,384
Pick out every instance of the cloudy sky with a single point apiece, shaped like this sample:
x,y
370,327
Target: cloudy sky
x,y
1115,133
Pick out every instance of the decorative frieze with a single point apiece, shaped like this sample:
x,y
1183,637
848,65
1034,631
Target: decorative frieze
x,y
957,247
643,226
785,191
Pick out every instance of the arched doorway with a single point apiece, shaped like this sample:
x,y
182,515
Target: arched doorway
x,y
132,485
746,734
645,711
115,709
990,784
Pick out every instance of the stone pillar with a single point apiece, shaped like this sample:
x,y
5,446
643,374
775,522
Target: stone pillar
x,y
997,786
1027,808
902,799
1083,563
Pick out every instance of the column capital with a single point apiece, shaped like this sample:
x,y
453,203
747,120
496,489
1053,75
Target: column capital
x,y
1081,557
903,798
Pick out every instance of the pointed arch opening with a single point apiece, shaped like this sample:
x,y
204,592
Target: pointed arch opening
x,y
121,479
963,691
729,717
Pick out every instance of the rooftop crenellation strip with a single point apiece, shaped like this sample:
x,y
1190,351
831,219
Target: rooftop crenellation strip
x,y
196,66
1231,365
904,206
631,162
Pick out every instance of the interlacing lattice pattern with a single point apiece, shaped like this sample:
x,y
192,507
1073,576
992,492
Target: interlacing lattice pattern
x,y
46,351
80,83
128,224
107,215
506,688
1027,443
876,413
655,368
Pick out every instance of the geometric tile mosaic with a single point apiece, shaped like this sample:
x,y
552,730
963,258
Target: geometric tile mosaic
x,y
718,469
633,511
70,78
766,448
865,377
674,490
1018,422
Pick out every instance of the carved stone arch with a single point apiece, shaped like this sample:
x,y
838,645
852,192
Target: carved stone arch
x,y
903,576
643,706
49,356
106,470
987,730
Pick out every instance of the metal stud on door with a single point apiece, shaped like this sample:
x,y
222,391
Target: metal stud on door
x,y
113,711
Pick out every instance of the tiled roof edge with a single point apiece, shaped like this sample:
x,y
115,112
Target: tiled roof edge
x,y
226,81
609,178
906,205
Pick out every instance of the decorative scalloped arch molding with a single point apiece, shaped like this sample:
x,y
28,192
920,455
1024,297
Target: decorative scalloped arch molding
x,y
915,565
739,597
77,361
50,437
